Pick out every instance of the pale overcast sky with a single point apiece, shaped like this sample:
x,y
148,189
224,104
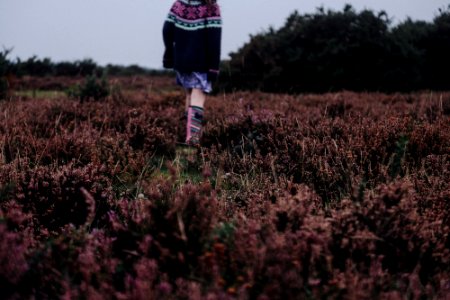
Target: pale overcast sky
x,y
129,32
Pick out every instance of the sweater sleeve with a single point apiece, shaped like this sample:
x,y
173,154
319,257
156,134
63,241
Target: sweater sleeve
x,y
168,37
214,40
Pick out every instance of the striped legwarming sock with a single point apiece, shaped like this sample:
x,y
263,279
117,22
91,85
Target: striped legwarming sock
x,y
194,125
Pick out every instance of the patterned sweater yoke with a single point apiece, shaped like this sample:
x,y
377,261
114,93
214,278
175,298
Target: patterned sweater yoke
x,y
192,37
194,15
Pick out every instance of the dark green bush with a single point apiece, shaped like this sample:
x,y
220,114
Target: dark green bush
x,y
4,68
343,50
93,88
3,88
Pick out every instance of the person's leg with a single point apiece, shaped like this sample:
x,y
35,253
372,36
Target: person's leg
x,y
188,100
195,117
198,98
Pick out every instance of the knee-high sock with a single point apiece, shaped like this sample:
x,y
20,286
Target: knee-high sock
x,y
194,124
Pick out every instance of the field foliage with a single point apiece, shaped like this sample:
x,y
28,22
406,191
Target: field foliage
x,y
334,196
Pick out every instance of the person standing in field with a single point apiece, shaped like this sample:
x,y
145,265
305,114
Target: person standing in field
x,y
192,36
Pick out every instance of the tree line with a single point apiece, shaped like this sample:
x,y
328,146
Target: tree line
x,y
320,52
94,86
344,50
35,66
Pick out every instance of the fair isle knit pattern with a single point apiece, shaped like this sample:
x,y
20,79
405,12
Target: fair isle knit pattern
x,y
194,15
192,36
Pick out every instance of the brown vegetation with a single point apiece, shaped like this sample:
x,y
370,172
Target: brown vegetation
x,y
337,196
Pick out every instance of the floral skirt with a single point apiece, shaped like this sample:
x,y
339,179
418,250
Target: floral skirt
x,y
194,80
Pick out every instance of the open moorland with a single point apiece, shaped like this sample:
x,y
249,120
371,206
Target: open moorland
x,y
333,196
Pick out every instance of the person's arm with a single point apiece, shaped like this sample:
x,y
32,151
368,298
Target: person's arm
x,y
214,40
168,37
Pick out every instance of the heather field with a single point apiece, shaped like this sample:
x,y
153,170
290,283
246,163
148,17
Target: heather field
x,y
334,196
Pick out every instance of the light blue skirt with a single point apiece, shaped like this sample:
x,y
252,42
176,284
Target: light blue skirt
x,y
194,80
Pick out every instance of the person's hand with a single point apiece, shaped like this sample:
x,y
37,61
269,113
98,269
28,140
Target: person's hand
x,y
168,64
212,75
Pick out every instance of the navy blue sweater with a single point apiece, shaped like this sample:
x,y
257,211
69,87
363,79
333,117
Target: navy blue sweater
x,y
192,37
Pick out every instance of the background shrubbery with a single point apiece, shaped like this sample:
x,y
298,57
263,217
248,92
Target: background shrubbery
x,y
320,52
35,66
336,50
5,66
93,88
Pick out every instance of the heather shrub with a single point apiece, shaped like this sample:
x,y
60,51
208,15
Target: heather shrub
x,y
58,196
13,260
288,250
329,196
16,235
388,227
